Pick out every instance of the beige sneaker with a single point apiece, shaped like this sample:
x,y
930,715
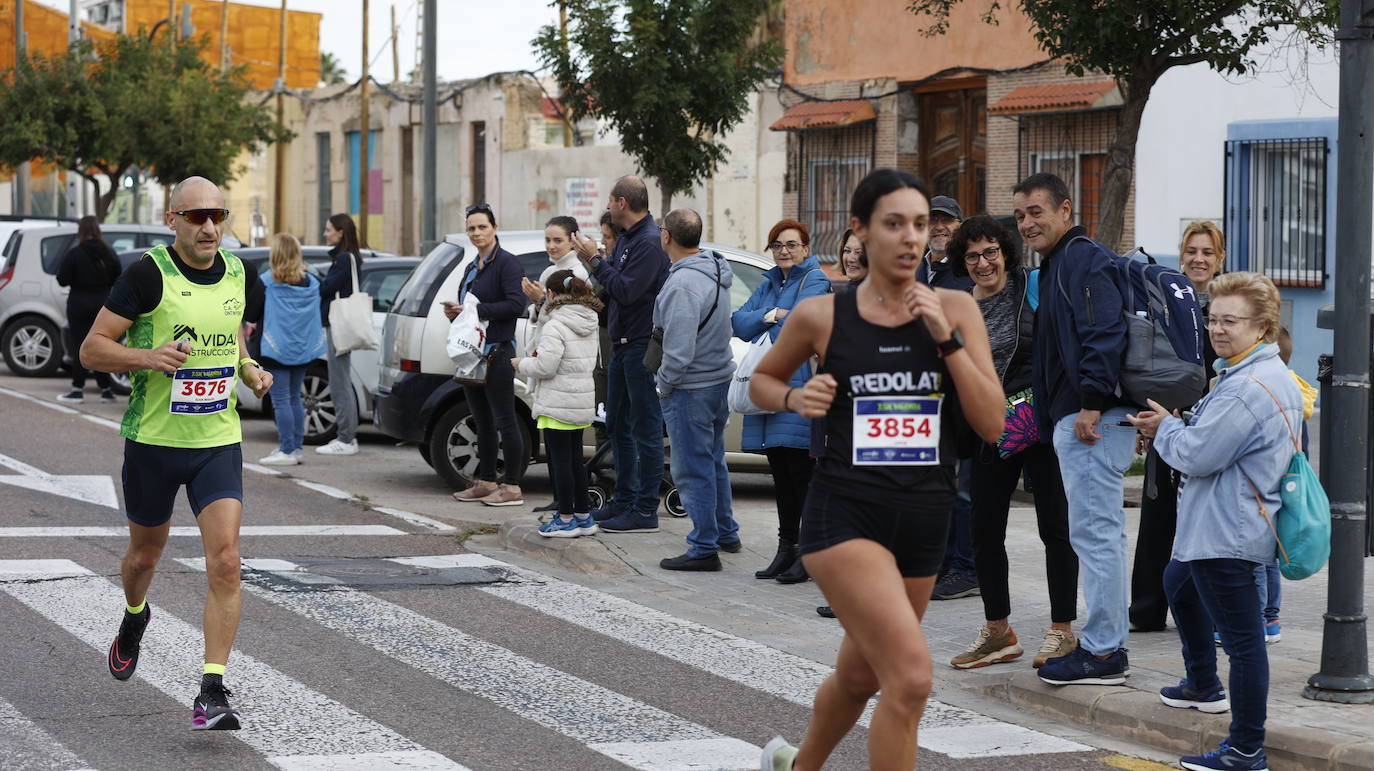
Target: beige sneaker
x,y
1057,643
988,649
505,495
477,492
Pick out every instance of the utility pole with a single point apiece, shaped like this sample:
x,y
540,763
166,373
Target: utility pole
x,y
364,143
21,174
1344,675
73,183
172,26
224,61
279,191
429,204
563,31
395,50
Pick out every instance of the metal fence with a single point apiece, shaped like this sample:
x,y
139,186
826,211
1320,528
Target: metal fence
x,y
826,167
1275,208
1073,146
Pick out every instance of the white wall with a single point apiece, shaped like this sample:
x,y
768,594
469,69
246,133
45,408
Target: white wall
x,y
1179,155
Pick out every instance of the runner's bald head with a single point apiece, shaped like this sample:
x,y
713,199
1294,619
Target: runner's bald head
x,y
195,190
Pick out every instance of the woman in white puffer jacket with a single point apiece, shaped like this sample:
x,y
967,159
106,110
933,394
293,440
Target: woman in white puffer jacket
x,y
560,374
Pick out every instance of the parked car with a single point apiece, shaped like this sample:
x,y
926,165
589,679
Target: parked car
x,y
417,399
10,223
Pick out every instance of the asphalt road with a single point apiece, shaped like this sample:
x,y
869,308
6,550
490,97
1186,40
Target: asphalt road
x,y
355,651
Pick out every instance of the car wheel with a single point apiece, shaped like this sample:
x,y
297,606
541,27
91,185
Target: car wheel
x,y
321,422
453,448
424,453
32,347
672,501
120,383
598,497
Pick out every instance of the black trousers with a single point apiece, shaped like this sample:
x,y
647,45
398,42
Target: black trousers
x,y
568,471
1154,544
994,480
80,318
498,427
791,469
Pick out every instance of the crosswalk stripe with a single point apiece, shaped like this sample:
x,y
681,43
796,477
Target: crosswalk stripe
x,y
99,421
415,519
284,720
30,747
36,400
332,492
946,729
186,531
622,728
271,472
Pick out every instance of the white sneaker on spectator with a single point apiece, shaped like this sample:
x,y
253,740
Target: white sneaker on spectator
x,y
298,455
279,458
339,448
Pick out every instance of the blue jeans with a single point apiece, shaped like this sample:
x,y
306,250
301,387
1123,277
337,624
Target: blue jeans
x,y
634,421
1221,592
696,430
1270,591
1093,480
959,546
287,409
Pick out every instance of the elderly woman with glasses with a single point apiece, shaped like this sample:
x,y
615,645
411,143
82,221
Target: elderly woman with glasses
x,y
1006,293
785,437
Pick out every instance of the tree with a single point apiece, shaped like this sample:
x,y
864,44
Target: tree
x,y
669,75
331,71
98,110
1136,42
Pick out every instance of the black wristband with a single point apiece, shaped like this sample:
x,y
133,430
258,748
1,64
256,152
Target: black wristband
x,y
786,397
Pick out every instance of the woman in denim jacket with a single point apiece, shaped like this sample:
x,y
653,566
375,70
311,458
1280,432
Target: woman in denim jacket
x,y
1231,454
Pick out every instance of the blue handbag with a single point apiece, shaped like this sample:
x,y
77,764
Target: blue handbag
x,y
1302,525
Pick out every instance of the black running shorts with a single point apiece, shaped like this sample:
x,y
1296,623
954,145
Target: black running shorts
x,y
152,475
913,528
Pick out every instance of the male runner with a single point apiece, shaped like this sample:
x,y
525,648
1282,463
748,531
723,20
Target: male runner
x,y
182,308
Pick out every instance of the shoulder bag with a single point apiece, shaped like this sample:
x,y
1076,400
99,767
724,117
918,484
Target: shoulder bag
x,y
350,318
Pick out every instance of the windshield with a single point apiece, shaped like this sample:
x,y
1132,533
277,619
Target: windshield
x,y
417,295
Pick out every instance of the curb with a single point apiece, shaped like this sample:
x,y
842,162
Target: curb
x,y
590,555
1138,716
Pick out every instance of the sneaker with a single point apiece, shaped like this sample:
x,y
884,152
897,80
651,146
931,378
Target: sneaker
x,y
550,506
211,711
1057,643
505,495
631,522
609,511
1273,631
987,649
1226,758
73,396
298,454
107,397
1216,639
1080,667
778,755
706,563
557,527
123,658
956,585
477,492
1184,697
586,524
279,458
825,611
339,448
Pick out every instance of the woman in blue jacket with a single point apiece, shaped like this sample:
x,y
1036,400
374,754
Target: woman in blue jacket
x,y
785,437
292,337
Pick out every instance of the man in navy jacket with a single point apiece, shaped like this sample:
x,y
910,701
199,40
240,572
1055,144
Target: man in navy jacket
x,y
632,277
1076,359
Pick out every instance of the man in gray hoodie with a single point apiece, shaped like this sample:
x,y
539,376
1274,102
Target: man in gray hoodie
x,y
693,312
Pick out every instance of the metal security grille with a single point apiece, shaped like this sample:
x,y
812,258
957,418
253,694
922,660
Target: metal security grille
x,y
825,169
1275,208
1073,146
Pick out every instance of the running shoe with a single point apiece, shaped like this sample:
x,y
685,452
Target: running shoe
x,y
778,755
1226,758
211,711
630,522
1057,643
1273,631
987,649
279,458
1083,668
123,658
339,448
954,586
586,524
1184,696
73,396
107,397
557,527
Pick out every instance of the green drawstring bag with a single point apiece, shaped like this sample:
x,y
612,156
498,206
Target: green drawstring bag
x,y
1302,525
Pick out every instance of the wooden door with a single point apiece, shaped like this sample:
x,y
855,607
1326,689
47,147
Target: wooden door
x,y
954,155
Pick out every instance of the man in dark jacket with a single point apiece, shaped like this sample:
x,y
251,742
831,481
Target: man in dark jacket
x,y
632,276
935,269
1076,360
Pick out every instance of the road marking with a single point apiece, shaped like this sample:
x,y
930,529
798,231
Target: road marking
x,y
332,492
28,746
99,421
617,726
284,720
90,488
262,469
1133,764
245,531
415,519
945,729
36,400
411,760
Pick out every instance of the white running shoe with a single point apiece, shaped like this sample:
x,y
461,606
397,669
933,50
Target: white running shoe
x,y
339,448
279,458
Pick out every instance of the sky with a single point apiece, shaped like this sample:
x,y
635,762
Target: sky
x,y
475,37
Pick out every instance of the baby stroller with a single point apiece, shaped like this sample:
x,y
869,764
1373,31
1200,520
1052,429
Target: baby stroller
x,y
601,476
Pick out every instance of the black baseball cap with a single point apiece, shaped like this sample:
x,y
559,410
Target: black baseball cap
x,y
947,205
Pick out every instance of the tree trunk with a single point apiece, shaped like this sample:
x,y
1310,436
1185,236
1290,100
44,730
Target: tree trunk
x,y
103,201
667,200
1117,179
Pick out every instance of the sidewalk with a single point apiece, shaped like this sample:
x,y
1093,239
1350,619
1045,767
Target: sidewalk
x,y
1302,734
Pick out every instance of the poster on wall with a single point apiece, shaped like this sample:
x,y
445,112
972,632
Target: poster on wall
x,y
584,203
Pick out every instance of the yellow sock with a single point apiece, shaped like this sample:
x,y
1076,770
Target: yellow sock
x,y
139,609
213,669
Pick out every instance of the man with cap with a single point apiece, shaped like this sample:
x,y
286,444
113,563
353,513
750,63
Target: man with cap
x,y
935,270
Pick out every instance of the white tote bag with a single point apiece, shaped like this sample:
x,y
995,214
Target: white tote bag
x,y
738,397
350,318
467,339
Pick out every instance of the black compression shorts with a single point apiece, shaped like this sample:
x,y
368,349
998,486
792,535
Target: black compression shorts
x,y
914,529
153,474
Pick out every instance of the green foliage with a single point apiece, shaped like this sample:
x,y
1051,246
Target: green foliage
x,y
669,75
331,71
101,109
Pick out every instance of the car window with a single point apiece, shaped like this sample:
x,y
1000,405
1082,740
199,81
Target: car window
x,y
419,291
121,241
534,264
51,250
383,284
747,278
157,239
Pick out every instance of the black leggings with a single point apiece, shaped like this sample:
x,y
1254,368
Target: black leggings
x,y
568,471
791,469
994,480
1155,543
80,318
498,427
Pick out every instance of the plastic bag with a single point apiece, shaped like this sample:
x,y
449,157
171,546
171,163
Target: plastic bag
x,y
467,339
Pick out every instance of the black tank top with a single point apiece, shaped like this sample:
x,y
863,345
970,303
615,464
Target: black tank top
x,y
891,428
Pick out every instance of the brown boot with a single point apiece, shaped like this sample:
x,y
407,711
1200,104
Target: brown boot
x,y
478,491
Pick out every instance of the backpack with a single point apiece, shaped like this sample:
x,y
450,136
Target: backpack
x,y
1164,328
1303,527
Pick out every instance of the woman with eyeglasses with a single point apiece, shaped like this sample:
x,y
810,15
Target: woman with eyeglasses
x,y
347,260
493,277
784,437
853,263
1007,295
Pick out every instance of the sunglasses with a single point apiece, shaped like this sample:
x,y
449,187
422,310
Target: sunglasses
x,y
199,216
486,207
